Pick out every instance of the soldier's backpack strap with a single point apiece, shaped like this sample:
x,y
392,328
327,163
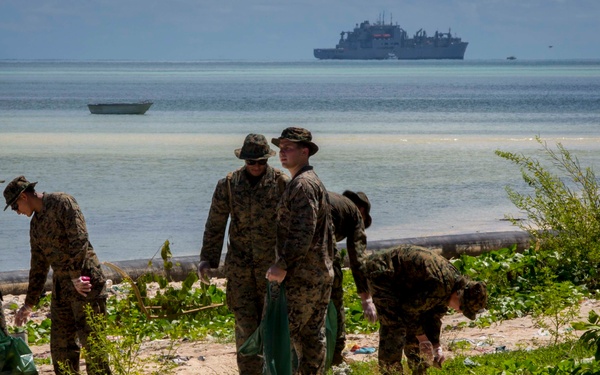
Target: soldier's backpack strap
x,y
229,176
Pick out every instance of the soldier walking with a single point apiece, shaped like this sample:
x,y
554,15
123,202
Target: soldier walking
x,y
305,247
350,213
59,239
248,196
412,288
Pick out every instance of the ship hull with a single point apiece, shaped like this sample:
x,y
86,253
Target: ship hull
x,y
119,108
454,51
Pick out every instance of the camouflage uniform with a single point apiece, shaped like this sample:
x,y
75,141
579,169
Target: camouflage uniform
x,y
348,223
2,317
59,239
305,248
251,247
411,287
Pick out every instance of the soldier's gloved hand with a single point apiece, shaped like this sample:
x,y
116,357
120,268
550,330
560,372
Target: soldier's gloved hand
x,y
82,285
203,268
369,310
426,351
22,315
438,356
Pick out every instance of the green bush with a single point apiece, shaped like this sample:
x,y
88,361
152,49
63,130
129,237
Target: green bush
x,y
563,212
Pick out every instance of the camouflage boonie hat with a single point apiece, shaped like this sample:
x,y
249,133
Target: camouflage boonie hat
x,y
360,199
297,135
474,299
255,147
15,188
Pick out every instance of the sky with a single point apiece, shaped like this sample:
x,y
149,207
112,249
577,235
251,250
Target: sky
x,y
285,30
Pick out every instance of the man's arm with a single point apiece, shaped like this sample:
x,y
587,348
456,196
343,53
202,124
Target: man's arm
x,y
70,214
300,223
214,230
356,242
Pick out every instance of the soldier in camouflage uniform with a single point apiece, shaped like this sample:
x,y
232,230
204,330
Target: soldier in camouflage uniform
x,y
59,239
350,213
2,317
305,248
412,288
249,197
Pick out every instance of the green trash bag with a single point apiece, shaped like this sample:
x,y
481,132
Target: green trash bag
x,y
331,329
272,337
15,356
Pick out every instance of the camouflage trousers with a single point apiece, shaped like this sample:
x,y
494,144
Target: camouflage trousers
x,y
307,310
394,340
245,298
337,297
69,324
2,318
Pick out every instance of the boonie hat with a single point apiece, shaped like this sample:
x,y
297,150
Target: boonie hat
x,y
255,147
297,135
361,200
15,188
474,299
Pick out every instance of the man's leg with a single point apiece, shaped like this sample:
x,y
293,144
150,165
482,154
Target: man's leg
x,y
413,354
307,310
246,303
392,338
96,360
63,347
337,297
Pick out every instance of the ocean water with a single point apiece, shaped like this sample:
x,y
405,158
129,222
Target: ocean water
x,y
418,137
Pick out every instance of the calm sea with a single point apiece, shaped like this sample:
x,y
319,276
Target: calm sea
x,y
418,137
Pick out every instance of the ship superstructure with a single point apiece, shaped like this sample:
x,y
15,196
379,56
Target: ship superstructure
x,y
380,41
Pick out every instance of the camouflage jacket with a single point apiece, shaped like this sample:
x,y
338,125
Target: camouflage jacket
x,y
252,230
305,238
59,239
349,225
411,286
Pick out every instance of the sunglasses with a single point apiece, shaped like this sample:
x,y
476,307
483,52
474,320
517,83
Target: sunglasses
x,y
254,162
15,205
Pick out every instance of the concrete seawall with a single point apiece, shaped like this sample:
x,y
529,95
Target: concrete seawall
x,y
450,246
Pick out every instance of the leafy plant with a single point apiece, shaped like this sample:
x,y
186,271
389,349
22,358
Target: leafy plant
x,y
556,308
512,281
169,302
590,338
355,320
563,212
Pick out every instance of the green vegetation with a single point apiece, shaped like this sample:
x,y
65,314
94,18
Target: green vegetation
x,y
563,213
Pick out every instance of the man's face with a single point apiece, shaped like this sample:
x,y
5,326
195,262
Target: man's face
x,y
22,206
256,167
291,154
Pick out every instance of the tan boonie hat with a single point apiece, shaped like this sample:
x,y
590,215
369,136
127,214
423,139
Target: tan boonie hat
x,y
474,299
297,135
360,199
255,147
15,188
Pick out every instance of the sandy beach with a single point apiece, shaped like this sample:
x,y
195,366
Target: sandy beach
x,y
210,356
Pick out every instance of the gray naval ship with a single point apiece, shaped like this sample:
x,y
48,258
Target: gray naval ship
x,y
380,41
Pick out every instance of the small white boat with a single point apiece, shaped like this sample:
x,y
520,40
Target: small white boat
x,y
119,108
